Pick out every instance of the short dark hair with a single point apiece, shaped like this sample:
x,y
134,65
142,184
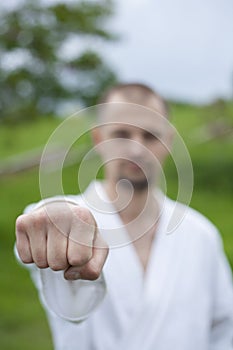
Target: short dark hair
x,y
135,93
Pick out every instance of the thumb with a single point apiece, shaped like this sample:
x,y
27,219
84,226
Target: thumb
x,y
72,273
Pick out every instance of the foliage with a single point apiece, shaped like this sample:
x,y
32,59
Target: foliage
x,y
48,56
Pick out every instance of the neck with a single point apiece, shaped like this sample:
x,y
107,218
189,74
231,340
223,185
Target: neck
x,y
139,211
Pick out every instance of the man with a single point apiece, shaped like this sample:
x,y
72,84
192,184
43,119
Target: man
x,y
150,290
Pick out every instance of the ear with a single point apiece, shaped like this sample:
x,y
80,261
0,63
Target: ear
x,y
96,136
167,143
170,137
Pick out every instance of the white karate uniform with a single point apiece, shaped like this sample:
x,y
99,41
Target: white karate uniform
x,y
184,301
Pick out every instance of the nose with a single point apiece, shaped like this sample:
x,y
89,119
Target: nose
x,y
136,147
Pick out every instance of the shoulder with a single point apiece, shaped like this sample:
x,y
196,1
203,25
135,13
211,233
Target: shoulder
x,y
85,199
192,223
75,199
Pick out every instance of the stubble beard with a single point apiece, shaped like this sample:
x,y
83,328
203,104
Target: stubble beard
x,y
137,185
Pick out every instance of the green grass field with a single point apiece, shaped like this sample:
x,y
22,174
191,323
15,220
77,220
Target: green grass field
x,y
23,323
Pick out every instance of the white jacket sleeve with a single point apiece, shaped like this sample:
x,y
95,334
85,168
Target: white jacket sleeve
x,y
222,324
71,300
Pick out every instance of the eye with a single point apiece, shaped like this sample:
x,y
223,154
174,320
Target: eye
x,y
148,136
121,134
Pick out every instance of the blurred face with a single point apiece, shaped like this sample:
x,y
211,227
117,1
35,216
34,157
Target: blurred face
x,y
133,144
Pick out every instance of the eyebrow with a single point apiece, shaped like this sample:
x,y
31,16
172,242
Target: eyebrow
x,y
120,130
154,133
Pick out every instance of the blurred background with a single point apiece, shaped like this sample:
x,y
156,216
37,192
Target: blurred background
x,y
58,56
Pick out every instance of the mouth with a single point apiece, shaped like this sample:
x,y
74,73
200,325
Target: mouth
x,y
135,167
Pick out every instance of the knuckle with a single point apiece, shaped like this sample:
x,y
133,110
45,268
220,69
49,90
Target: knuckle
x,y
20,246
40,260
29,224
25,258
78,259
54,267
20,223
92,273
101,244
57,266
38,220
24,253
104,246
84,215
42,264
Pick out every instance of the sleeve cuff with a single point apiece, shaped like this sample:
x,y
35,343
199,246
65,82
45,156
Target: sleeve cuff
x,y
71,300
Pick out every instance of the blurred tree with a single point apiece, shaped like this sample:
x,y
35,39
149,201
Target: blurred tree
x,y
47,56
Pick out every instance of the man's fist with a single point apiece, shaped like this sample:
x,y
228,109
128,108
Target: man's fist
x,y
62,236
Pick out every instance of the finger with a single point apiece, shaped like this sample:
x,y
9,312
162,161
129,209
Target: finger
x,y
22,241
35,227
92,269
57,249
38,244
81,237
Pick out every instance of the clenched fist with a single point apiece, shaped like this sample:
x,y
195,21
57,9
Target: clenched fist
x,y
62,236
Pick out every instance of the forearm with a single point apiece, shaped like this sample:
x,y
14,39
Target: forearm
x,y
70,300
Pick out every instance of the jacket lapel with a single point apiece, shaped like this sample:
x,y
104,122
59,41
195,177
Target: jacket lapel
x,y
160,280
140,301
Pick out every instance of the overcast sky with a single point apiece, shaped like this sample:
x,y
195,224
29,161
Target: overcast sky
x,y
184,48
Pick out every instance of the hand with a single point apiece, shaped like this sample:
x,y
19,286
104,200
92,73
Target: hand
x,y
62,236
